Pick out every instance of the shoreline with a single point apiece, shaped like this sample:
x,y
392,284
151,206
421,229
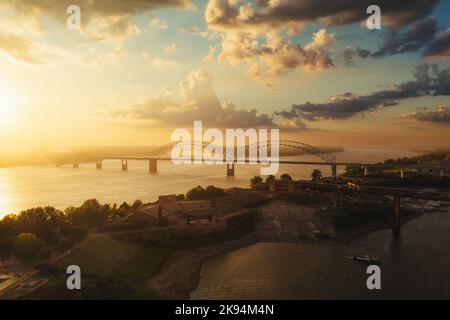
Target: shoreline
x,y
180,274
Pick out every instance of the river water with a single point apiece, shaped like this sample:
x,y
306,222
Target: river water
x,y
26,187
415,265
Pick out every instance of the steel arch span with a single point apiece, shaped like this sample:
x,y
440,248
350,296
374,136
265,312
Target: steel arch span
x,y
325,156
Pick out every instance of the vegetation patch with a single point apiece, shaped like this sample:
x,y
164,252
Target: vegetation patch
x,y
100,256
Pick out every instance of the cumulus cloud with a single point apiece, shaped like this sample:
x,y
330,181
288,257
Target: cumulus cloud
x,y
438,115
276,55
244,23
198,102
428,81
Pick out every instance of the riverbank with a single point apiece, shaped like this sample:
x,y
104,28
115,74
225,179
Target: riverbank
x,y
180,275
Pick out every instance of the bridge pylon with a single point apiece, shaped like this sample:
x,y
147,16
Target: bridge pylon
x,y
152,165
230,169
124,164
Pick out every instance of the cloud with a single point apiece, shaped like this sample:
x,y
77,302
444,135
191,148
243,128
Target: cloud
x,y
439,47
428,81
414,38
439,115
231,14
276,55
196,31
350,54
198,102
423,34
101,19
18,48
159,24
164,63
171,48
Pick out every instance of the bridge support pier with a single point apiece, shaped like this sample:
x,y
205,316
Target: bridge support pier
x,y
334,170
230,169
152,165
441,173
124,164
76,165
98,164
402,173
397,216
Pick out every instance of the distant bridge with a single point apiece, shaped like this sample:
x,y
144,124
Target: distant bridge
x,y
326,159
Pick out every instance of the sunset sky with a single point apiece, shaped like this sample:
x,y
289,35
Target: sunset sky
x,y
138,69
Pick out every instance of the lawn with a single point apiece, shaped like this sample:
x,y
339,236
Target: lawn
x,y
101,256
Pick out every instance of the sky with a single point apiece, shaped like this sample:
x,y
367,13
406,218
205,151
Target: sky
x,y
137,70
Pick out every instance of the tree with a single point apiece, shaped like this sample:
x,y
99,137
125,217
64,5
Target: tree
x,y
255,181
197,193
27,246
91,213
286,177
180,197
316,175
136,204
270,178
212,192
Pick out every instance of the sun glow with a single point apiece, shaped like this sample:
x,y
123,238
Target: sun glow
x,y
8,105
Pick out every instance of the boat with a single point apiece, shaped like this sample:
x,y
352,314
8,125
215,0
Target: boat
x,y
365,259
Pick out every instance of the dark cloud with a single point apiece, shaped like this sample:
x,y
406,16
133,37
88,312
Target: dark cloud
x,y
438,115
414,38
232,14
428,81
439,47
350,54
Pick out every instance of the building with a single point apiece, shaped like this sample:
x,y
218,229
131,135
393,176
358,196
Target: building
x,y
185,212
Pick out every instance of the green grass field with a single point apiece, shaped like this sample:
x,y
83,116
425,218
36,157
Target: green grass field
x,y
101,256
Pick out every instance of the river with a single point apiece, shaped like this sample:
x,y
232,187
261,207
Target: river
x,y
26,187
415,265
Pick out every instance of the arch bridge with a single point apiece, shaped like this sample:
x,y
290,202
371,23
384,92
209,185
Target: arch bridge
x,y
160,154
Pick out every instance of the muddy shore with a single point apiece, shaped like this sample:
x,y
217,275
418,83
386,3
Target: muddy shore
x,y
181,273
